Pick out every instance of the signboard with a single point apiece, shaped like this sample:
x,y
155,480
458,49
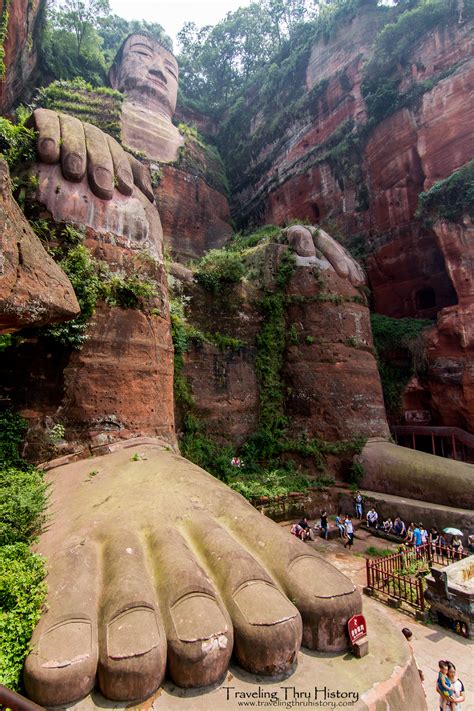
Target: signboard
x,y
357,628
418,417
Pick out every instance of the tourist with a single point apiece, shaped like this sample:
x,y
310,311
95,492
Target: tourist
x,y
417,537
358,505
457,547
442,542
305,529
388,525
372,517
399,527
434,537
457,688
324,524
340,524
349,529
424,534
470,544
409,537
408,634
443,685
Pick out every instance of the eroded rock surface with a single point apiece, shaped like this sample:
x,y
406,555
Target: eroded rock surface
x,y
33,290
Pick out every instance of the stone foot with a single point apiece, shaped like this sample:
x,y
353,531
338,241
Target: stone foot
x,y
155,565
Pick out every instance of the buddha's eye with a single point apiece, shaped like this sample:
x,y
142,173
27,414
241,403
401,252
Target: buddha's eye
x,y
143,54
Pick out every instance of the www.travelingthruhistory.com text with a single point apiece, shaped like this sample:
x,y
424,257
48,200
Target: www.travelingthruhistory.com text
x,y
290,697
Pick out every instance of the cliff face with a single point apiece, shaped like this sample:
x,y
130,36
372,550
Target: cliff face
x,y
340,163
330,383
33,289
119,383
20,47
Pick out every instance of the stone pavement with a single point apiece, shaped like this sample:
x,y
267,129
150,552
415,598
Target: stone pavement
x,y
430,642
387,655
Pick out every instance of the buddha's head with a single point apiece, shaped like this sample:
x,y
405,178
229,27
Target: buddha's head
x,y
146,71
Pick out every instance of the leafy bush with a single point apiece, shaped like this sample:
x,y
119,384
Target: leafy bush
x,y
17,143
401,338
22,501
268,483
12,431
450,198
22,593
218,269
81,270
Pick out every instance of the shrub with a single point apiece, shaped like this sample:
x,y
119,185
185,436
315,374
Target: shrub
x,y
22,592
449,198
218,269
17,143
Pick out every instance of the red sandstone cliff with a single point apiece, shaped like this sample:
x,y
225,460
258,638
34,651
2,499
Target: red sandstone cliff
x,y
368,191
20,47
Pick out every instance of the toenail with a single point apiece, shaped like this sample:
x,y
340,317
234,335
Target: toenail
x,y
262,604
132,633
74,165
103,178
197,616
65,644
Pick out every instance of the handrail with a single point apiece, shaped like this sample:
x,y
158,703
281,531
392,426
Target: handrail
x,y
465,437
11,700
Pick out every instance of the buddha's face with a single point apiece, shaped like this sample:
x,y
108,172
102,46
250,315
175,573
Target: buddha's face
x,y
149,72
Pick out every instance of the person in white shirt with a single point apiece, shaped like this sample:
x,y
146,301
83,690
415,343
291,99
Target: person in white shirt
x,y
372,518
349,529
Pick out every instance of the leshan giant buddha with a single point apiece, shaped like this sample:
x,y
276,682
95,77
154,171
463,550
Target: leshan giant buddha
x,y
153,563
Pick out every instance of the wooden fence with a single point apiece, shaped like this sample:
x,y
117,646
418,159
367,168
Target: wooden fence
x,y
384,574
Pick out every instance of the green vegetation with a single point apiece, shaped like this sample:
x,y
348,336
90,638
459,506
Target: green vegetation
x,y
271,483
100,106
92,281
374,552
219,269
3,36
22,590
400,354
200,158
450,198
17,143
81,38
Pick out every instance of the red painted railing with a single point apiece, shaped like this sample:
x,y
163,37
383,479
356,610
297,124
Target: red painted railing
x,y
449,442
384,574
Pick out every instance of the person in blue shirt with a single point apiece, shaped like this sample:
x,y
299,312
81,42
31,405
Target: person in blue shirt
x,y
417,537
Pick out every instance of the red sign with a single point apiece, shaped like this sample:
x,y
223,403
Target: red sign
x,y
357,628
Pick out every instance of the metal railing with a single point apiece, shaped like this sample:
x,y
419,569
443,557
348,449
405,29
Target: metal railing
x,y
449,442
384,575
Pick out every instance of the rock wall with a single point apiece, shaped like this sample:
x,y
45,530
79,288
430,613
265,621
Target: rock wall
x,y
33,289
20,48
119,384
360,178
194,215
329,373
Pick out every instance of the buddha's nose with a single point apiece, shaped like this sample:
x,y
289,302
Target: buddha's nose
x,y
156,72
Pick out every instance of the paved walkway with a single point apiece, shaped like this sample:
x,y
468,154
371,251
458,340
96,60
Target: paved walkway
x,y
430,642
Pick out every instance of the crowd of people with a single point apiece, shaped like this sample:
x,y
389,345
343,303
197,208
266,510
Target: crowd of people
x,y
305,531
415,535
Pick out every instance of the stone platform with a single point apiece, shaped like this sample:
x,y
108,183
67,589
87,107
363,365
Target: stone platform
x,y
386,679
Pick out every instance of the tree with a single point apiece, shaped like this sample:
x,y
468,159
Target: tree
x,y
80,16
